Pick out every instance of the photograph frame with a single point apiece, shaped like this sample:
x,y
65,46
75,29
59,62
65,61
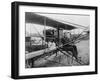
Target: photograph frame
x,y
15,39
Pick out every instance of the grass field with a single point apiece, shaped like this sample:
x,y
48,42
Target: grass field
x,y
83,51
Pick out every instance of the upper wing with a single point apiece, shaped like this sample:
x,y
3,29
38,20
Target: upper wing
x,y
42,20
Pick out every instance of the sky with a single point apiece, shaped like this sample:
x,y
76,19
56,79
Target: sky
x,y
83,20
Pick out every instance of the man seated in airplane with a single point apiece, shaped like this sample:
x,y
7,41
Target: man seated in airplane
x,y
51,45
68,46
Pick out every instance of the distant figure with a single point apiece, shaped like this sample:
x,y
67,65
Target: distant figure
x,y
67,46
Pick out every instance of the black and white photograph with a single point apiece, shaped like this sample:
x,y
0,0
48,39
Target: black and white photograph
x,y
53,40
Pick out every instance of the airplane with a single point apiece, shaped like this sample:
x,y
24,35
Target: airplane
x,y
46,21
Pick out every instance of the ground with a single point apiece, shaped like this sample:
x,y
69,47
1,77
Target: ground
x,y
62,60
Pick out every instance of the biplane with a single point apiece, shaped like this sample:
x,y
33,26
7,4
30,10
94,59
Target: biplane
x,y
53,35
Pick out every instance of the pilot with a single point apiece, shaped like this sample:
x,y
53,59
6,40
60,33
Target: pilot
x,y
68,46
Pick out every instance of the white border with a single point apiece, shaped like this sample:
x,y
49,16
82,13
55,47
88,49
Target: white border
x,y
38,71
